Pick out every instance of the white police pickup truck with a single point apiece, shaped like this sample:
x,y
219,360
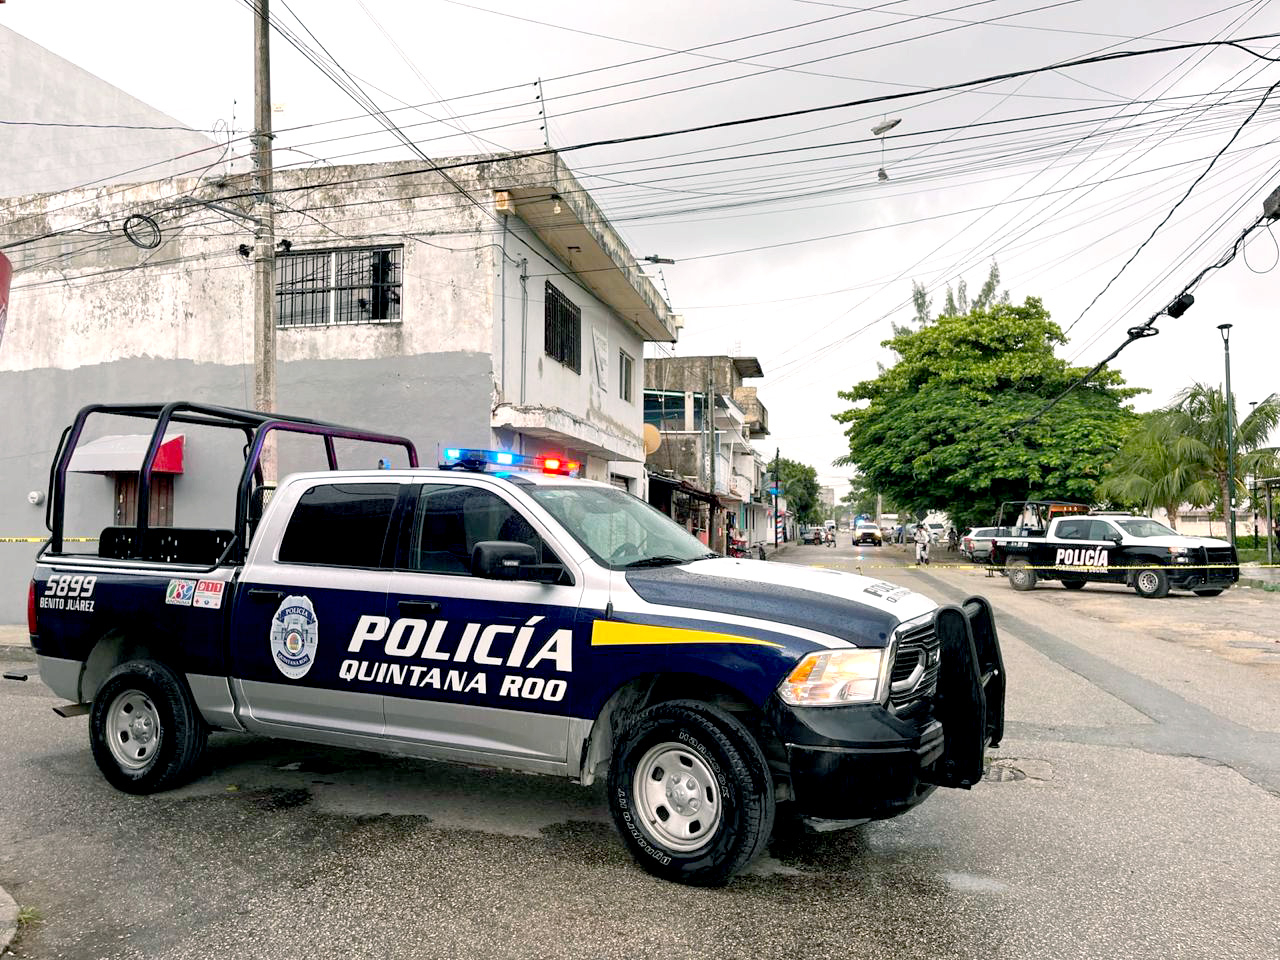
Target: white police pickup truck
x,y
527,620
1079,546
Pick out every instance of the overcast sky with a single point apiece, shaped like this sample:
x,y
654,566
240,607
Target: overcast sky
x,y
1060,195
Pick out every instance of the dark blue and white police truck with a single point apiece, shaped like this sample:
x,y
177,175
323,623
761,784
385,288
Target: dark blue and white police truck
x,y
519,618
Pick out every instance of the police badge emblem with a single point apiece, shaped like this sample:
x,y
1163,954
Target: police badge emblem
x,y
294,634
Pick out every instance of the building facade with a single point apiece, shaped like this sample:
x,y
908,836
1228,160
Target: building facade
x,y
509,317
706,419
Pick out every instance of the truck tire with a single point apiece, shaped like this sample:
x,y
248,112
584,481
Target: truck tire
x,y
691,793
1021,576
1214,592
1074,584
1151,583
144,730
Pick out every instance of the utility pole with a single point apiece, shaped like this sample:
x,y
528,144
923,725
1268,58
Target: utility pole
x,y
777,485
1229,508
712,533
264,240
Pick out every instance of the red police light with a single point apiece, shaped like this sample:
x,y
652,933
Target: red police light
x,y
551,465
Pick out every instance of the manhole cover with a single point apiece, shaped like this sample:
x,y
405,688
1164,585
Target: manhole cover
x,y
1002,770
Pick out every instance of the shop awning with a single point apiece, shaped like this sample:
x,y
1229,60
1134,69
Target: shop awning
x,y
123,454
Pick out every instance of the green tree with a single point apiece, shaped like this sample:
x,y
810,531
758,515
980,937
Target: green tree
x,y
1194,430
800,487
943,428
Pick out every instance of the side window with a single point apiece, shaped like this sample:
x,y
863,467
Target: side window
x,y
1074,529
340,524
451,519
1101,530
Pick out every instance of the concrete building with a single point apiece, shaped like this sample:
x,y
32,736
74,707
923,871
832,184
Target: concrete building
x,y
84,130
676,404
511,318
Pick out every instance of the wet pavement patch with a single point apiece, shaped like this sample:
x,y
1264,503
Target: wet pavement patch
x,y
278,799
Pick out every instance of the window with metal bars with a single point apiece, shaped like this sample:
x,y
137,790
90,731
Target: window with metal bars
x,y
344,286
563,329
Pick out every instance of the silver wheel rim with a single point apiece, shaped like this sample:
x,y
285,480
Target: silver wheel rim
x,y
677,796
1148,581
133,730
1018,575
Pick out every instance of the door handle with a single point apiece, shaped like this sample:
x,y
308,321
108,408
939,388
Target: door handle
x,y
418,607
265,596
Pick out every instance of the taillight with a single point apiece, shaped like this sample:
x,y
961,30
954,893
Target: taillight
x,y
31,609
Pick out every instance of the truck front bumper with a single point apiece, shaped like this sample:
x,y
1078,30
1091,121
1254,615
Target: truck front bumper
x,y
872,761
859,763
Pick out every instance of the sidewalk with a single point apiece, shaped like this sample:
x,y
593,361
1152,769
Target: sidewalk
x,y
1256,575
15,635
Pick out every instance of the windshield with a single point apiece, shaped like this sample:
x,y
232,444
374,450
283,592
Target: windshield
x,y
617,529
1146,527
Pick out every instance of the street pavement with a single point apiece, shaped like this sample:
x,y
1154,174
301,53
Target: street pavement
x,y
1133,810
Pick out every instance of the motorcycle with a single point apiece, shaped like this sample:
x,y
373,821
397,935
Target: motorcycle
x,y
831,538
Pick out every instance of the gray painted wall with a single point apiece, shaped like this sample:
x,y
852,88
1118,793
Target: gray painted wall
x,y
436,400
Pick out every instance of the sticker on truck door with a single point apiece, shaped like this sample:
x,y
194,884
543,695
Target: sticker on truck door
x,y
294,636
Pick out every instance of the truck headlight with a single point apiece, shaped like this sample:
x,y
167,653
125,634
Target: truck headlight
x,y
833,677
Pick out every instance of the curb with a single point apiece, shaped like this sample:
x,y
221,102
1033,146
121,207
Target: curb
x,y
8,920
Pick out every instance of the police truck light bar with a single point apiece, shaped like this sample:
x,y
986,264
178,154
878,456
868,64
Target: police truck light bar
x,y
457,457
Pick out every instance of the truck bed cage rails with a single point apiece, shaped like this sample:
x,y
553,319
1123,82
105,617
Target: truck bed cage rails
x,y
1051,509
254,424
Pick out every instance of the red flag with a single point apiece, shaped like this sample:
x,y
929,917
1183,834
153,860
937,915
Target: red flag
x,y
6,274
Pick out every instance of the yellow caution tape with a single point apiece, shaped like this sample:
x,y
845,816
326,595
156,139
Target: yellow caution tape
x,y
43,539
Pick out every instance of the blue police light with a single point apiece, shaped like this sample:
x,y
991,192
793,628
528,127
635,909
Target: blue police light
x,y
506,459
453,454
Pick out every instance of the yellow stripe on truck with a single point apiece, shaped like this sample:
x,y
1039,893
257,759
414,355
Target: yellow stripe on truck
x,y
611,633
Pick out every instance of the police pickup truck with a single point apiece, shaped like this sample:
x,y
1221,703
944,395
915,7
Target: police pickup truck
x,y
528,620
1079,546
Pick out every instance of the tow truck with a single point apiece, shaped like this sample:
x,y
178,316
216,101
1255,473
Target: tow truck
x,y
501,611
1075,545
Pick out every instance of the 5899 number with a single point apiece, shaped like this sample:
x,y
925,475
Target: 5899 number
x,y
70,586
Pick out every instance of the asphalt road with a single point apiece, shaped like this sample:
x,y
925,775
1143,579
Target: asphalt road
x,y
1132,811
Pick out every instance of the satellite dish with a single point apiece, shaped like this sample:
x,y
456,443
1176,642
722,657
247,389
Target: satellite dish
x,y
652,439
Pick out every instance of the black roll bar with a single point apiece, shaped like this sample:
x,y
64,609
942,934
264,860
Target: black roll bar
x,y
255,424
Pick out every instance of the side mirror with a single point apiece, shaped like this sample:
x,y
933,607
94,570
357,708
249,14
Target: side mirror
x,y
511,560
1116,539
501,559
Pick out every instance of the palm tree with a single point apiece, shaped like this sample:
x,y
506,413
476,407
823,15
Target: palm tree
x,y
1198,433
1178,454
1146,473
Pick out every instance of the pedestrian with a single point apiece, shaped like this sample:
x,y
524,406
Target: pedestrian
x,y
953,540
922,544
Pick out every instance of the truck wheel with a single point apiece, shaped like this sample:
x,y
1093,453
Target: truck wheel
x,y
1074,584
1152,584
144,730
691,793
1215,592
1021,576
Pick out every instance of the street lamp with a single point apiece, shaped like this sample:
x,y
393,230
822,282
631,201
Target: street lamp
x,y
1253,408
880,129
1230,505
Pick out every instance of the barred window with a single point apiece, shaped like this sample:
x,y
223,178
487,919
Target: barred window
x,y
318,287
563,329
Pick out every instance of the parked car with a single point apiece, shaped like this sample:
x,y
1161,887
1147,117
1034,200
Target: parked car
x,y
976,544
867,533
936,532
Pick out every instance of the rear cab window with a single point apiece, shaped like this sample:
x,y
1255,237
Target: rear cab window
x,y
341,525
